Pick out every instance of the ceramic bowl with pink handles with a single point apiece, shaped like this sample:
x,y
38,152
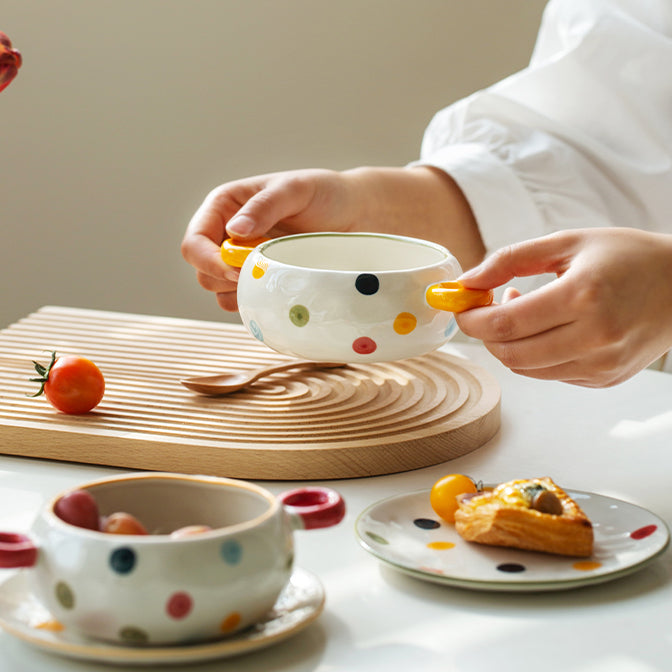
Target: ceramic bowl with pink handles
x,y
350,297
155,589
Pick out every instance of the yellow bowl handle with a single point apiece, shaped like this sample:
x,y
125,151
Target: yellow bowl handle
x,y
234,252
455,297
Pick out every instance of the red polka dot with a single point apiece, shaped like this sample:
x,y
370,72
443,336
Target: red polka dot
x,y
643,532
179,605
364,345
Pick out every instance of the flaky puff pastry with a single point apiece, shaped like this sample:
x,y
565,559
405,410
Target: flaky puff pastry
x,y
504,517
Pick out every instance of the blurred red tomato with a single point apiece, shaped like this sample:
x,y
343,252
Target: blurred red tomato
x,y
10,61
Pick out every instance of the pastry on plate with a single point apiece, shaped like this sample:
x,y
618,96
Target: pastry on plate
x,y
533,514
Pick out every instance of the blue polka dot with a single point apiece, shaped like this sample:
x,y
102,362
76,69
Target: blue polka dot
x,y
451,329
255,331
231,552
123,560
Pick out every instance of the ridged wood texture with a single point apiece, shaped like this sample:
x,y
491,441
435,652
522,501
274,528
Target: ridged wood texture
x,y
361,420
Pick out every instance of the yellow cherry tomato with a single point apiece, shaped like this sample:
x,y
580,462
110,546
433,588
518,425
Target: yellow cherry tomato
x,y
444,493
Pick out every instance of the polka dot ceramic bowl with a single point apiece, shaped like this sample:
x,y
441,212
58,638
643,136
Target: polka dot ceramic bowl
x,y
350,297
155,589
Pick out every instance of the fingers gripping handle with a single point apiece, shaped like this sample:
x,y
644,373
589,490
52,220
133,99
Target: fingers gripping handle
x,y
454,297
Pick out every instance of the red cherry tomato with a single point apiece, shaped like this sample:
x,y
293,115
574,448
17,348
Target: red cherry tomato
x,y
78,508
443,496
72,384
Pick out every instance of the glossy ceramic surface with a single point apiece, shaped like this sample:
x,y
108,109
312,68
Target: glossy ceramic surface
x,y
24,617
154,589
405,533
346,297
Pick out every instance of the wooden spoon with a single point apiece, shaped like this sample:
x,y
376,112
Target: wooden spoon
x,y
225,383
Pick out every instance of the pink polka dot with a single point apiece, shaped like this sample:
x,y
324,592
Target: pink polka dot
x,y
364,345
179,605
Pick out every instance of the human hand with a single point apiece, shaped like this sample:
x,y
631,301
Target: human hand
x,y
606,316
275,204
419,201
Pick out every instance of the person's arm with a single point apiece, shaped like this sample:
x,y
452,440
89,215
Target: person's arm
x,y
419,202
607,316
580,138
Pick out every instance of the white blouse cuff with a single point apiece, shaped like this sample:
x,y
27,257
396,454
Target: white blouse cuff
x,y
503,208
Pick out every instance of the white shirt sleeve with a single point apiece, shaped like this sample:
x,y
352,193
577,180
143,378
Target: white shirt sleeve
x,y
582,137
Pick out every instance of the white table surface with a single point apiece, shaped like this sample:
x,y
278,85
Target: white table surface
x,y
616,442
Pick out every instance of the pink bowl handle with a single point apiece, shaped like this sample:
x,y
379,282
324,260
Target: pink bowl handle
x,y
314,507
16,550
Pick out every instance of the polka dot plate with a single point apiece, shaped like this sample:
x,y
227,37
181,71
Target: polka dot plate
x,y
24,617
405,533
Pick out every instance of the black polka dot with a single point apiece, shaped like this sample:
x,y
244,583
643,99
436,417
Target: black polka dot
x,y
511,567
426,523
367,284
122,560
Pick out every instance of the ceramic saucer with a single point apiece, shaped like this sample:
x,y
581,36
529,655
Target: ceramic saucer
x,y
405,533
22,616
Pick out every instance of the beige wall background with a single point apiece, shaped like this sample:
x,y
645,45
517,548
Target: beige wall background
x,y
127,112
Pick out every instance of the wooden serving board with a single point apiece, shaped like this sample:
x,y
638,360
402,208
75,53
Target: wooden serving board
x,y
360,420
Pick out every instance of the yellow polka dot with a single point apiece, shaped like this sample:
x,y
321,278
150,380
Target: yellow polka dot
x,y
52,625
440,545
230,622
404,323
259,269
586,565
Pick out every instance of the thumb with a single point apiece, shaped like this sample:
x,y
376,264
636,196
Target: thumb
x,y
263,211
255,218
549,254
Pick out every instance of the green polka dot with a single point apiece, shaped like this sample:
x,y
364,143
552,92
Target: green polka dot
x,y
299,315
132,635
64,595
377,538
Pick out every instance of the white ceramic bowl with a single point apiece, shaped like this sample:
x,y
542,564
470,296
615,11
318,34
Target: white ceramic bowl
x,y
351,297
154,589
